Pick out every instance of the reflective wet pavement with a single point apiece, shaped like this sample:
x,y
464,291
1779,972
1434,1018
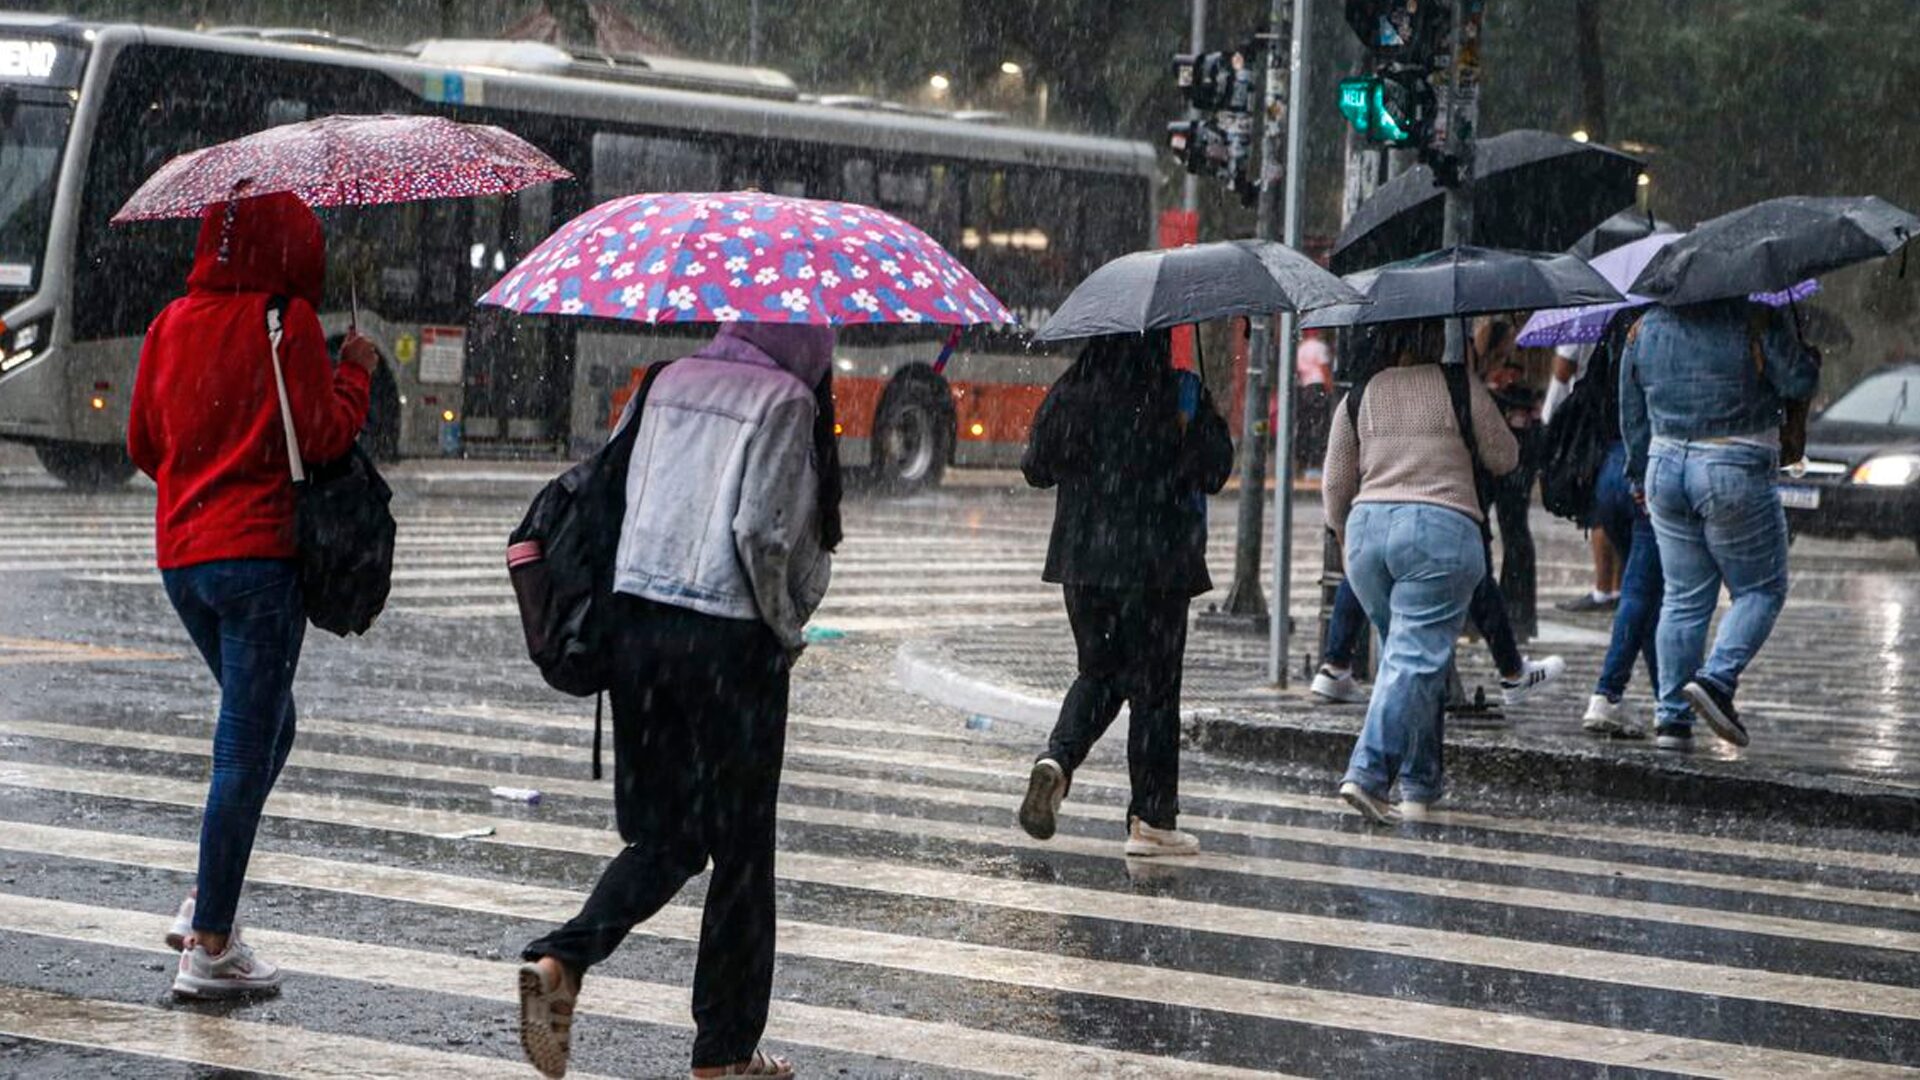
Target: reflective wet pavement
x,y
922,933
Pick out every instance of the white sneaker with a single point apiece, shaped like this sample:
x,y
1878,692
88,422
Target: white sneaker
x,y
1607,718
1046,790
237,972
182,927
1339,687
1146,842
1378,811
1533,676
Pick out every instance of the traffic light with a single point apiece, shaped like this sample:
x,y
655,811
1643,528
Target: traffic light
x,y
1403,31
1218,141
1380,109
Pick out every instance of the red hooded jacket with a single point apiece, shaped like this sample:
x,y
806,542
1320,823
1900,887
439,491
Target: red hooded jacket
x,y
205,420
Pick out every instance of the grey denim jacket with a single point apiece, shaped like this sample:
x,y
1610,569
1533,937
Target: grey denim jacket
x,y
722,495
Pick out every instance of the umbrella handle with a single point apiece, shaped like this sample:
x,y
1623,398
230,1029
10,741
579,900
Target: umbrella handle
x,y
946,352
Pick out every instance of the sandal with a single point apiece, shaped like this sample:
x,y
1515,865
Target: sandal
x,y
546,1020
762,1066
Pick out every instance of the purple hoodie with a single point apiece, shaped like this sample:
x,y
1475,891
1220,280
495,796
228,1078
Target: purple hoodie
x,y
803,349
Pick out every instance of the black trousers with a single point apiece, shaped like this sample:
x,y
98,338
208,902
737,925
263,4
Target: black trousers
x,y
1512,496
699,731
1132,643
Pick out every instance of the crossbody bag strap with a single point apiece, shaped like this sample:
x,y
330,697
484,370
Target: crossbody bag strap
x,y
276,318
1457,391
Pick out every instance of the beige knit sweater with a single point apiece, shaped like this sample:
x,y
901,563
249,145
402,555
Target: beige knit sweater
x,y
1408,448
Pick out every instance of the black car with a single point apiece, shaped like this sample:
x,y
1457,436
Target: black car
x,y
1862,475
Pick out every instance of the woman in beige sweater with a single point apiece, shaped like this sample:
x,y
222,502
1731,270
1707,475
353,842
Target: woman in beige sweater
x,y
1399,493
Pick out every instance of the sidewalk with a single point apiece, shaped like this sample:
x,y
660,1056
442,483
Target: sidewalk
x,y
1805,765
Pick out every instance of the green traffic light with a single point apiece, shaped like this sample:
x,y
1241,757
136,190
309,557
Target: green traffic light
x,y
1364,102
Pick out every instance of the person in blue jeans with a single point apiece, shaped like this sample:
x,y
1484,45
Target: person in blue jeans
x,y
1702,389
1619,513
1400,495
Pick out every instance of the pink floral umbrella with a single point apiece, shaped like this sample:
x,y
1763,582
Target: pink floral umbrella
x,y
733,256
346,161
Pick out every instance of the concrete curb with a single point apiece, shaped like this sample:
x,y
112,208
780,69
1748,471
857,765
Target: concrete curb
x,y
1472,756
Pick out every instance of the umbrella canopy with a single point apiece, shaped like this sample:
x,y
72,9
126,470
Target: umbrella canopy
x,y
346,161
1773,245
1588,323
1148,290
745,256
1462,281
1622,228
1532,191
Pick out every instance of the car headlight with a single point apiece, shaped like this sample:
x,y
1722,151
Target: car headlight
x,y
1891,470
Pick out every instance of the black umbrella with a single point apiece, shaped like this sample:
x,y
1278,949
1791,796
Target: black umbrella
x,y
1462,281
1617,231
1773,245
1532,191
1148,290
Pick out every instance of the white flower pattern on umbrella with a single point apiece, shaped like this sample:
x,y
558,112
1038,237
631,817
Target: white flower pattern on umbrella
x,y
774,257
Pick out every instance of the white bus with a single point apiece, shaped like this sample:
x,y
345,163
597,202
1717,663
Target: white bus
x,y
88,111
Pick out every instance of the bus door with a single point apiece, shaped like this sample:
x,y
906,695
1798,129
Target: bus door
x,y
518,372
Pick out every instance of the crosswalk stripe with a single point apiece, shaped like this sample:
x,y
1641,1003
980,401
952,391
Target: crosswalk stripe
x,y
1625,969
985,799
1279,869
987,761
899,1038
200,1038
1065,974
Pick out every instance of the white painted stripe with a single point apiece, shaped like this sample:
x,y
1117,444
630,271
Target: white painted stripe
x,y
998,764
414,737
930,1044
202,1038
1277,869
1444,946
1482,1029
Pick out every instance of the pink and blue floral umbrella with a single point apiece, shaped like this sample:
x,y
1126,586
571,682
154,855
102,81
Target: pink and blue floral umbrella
x,y
745,256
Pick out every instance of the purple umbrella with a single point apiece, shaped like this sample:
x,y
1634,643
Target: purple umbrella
x,y
1586,325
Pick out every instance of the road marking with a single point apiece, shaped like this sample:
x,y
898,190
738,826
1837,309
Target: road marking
x,y
1485,1029
934,1044
1579,904
200,1038
986,760
414,737
27,651
1444,946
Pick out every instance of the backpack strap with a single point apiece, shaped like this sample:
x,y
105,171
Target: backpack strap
x,y
1457,391
276,325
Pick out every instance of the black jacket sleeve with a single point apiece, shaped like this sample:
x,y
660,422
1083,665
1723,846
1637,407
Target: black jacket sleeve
x,y
1053,446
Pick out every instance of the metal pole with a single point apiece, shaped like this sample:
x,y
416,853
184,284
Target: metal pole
x,y
1280,627
1245,599
753,32
1462,118
1190,188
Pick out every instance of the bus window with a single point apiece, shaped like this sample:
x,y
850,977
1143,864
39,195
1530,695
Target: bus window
x,y
32,134
628,164
1011,237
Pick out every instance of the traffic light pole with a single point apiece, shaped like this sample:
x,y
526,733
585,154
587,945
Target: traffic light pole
x,y
1245,600
1190,189
1280,628
1462,112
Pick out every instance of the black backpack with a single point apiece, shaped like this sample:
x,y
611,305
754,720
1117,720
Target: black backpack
x,y
1583,427
561,558
343,522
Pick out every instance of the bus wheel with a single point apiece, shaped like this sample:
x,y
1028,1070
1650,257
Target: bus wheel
x,y
912,436
86,466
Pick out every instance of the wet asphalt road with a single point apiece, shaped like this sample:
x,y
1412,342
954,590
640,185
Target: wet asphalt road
x,y
922,933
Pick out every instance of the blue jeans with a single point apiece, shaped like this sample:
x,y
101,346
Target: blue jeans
x,y
1637,618
246,618
1488,612
1414,568
1718,519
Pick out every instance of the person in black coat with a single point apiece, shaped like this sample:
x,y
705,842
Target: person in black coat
x,y
1133,468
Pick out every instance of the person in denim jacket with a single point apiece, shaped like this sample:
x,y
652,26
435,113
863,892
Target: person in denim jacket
x,y
1702,389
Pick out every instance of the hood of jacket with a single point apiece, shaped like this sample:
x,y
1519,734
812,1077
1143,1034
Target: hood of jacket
x,y
804,350
269,244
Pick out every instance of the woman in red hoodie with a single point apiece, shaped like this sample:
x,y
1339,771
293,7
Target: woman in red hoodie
x,y
206,425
